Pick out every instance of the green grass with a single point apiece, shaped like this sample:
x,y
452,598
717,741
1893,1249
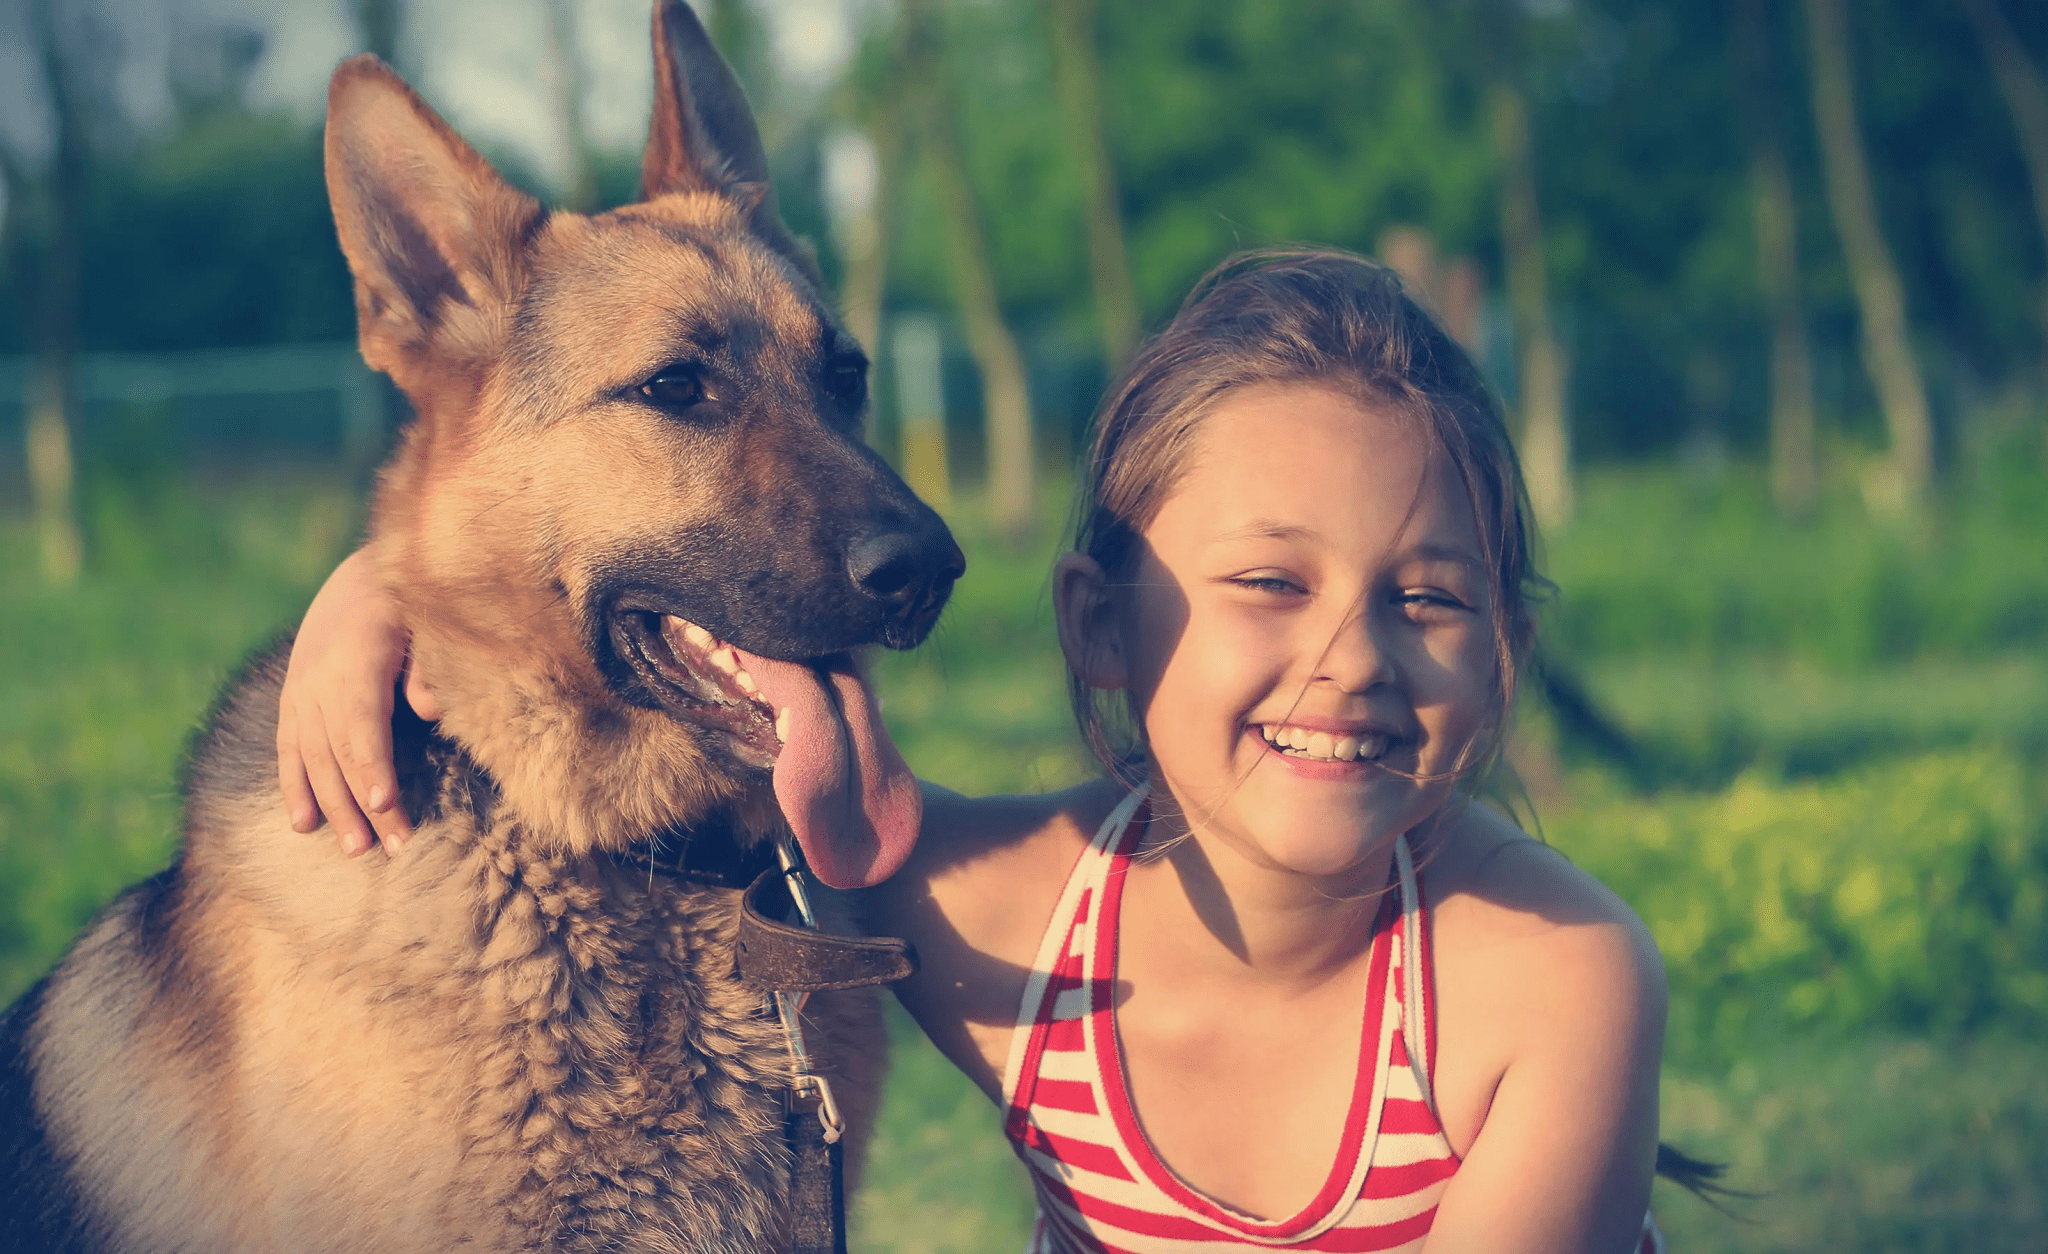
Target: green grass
x,y
1886,1144
104,682
1856,850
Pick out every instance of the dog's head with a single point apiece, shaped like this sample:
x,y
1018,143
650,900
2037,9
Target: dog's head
x,y
634,524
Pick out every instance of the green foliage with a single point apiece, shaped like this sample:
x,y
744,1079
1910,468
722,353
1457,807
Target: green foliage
x,y
1234,125
1658,566
1908,895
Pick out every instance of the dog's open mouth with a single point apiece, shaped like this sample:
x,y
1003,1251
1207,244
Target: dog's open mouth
x,y
703,675
849,799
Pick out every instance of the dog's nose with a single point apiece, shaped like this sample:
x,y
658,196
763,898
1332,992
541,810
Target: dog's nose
x,y
906,566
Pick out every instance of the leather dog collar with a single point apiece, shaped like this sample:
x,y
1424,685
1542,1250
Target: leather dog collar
x,y
774,955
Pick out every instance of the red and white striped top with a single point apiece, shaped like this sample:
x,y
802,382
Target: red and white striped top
x,y
1101,1187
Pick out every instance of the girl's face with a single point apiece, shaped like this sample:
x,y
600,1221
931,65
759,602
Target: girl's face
x,y
1310,609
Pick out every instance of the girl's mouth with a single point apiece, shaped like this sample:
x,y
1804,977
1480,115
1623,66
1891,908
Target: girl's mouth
x,y
1309,745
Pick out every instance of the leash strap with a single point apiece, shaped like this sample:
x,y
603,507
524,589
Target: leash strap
x,y
790,963
785,963
817,1185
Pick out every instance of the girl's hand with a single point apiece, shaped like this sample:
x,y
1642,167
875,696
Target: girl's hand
x,y
334,714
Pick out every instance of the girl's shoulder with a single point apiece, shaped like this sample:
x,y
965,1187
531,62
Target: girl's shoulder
x,y
1496,890
1532,955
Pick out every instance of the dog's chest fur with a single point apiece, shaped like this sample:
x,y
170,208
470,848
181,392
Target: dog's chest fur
x,y
479,1044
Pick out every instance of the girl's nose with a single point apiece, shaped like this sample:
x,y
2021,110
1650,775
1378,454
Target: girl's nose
x,y
1355,658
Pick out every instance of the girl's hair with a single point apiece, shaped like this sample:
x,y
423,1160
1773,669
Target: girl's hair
x,y
1323,316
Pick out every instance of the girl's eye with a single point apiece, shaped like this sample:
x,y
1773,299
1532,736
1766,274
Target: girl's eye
x,y
1278,585
1429,604
676,388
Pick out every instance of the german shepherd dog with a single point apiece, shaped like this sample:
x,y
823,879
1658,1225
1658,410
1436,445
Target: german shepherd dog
x,y
636,533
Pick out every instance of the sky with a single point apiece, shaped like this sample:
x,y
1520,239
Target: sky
x,y
481,63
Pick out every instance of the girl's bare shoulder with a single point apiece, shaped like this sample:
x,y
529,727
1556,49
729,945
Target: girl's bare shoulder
x,y
1511,907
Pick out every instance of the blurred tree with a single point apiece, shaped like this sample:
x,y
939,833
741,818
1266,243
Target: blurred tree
x,y
864,163
1546,434
1794,475
53,395
1880,295
2026,96
869,161
1007,403
1077,58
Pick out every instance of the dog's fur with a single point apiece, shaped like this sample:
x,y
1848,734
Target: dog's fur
x,y
500,1038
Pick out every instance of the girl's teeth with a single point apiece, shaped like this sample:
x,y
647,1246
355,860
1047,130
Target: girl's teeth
x,y
1324,745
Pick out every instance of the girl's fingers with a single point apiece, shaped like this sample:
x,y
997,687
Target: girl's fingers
x,y
420,695
330,787
367,765
299,805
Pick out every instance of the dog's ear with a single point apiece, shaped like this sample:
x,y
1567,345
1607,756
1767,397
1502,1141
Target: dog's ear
x,y
429,229
703,137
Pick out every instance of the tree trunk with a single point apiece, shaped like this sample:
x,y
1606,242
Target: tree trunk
x,y
2026,96
1077,60
864,235
52,387
565,78
1011,491
1794,474
1546,435
1887,342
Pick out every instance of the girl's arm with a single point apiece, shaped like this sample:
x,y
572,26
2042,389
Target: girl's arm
x,y
1567,1143
334,714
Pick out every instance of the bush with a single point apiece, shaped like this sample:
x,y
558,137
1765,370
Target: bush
x,y
1912,894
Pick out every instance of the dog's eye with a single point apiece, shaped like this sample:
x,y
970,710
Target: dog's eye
x,y
675,388
848,383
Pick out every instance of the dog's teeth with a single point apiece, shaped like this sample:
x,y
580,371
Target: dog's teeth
x,y
1345,748
746,683
1320,744
697,635
782,726
726,660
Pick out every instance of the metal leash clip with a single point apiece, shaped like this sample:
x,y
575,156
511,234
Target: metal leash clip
x,y
806,1085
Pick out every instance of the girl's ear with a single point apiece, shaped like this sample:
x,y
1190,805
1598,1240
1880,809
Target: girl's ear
x,y
1086,614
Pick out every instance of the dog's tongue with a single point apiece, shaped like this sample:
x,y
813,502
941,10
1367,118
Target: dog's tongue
x,y
851,801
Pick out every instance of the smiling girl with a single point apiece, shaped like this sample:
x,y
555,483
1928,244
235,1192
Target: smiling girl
x,y
1279,980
